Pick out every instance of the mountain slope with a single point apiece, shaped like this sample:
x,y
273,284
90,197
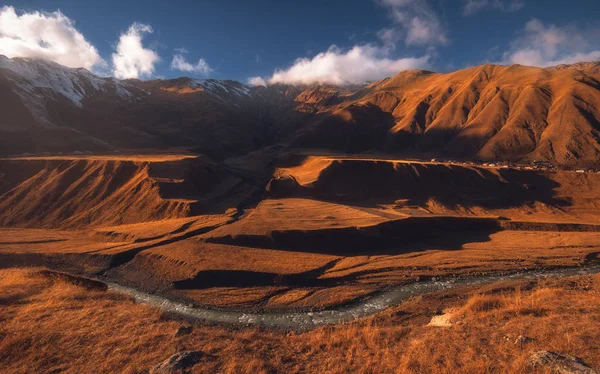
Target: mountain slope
x,y
50,108
487,112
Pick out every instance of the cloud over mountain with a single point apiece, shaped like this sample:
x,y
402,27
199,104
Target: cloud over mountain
x,y
414,22
359,64
131,59
50,36
257,81
180,63
547,45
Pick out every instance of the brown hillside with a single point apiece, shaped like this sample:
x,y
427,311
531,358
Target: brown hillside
x,y
444,189
487,112
77,193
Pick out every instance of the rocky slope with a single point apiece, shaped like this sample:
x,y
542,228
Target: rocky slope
x,y
486,112
82,192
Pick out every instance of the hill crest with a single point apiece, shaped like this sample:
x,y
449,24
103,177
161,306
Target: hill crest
x,y
487,112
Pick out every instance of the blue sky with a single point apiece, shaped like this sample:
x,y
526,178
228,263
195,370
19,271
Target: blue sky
x,y
339,40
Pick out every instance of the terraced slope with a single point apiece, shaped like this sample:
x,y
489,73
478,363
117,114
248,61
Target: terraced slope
x,y
324,230
444,188
88,192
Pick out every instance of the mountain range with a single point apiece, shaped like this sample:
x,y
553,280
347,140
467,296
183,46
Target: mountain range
x,y
488,112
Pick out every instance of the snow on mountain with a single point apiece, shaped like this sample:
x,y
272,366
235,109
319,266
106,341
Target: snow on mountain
x,y
217,87
74,84
37,81
226,91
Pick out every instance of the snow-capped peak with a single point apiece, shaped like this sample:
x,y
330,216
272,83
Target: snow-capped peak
x,y
74,84
219,86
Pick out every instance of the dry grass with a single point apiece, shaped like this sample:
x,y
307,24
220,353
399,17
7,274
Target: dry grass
x,y
299,214
480,303
50,326
359,274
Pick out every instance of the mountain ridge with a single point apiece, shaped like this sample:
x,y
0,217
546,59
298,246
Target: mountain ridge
x,y
487,112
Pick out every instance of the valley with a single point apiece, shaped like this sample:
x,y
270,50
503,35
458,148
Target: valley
x,y
209,216
306,233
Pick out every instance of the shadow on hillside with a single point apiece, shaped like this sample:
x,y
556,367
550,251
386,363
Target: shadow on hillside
x,y
366,128
413,237
355,128
391,237
243,278
369,184
246,279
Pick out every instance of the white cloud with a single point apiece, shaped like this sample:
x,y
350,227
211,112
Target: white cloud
x,y
389,36
542,45
358,65
50,36
473,6
415,22
180,63
257,81
132,60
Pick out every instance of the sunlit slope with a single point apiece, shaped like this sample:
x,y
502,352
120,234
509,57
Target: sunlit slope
x,y
444,188
78,193
488,112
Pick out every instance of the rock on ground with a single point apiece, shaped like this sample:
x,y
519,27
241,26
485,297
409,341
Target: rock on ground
x,y
561,364
183,330
521,340
178,363
443,320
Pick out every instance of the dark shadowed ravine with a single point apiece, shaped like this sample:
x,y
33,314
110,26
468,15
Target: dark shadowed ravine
x,y
362,308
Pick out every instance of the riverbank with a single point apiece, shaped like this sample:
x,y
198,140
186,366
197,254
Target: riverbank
x,y
370,305
49,324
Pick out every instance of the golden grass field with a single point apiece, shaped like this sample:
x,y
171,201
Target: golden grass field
x,y
51,326
306,234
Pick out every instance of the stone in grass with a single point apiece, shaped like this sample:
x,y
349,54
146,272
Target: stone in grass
x,y
521,340
183,330
178,363
444,320
561,364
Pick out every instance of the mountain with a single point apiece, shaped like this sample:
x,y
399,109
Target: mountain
x,y
486,112
46,107
494,112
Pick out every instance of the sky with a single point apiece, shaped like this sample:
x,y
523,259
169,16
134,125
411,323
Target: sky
x,y
297,42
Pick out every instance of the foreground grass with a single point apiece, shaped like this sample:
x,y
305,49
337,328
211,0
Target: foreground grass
x,y
52,326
